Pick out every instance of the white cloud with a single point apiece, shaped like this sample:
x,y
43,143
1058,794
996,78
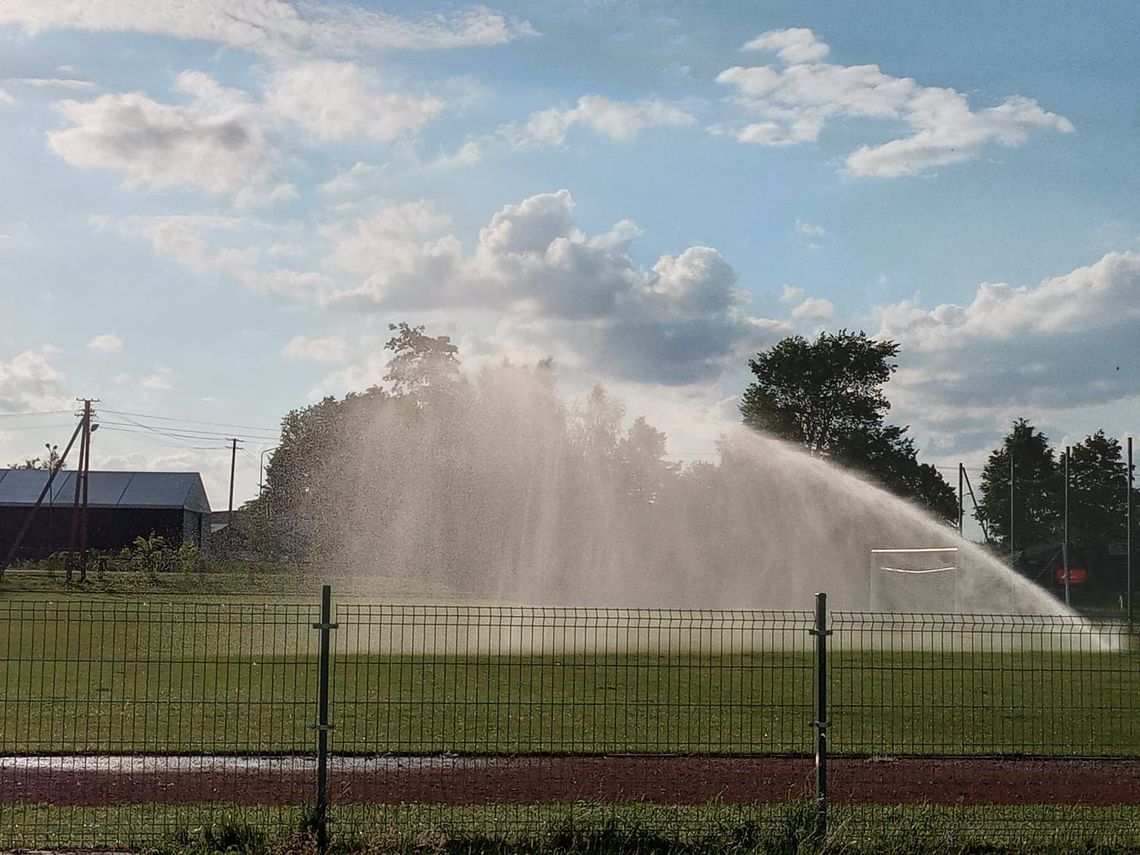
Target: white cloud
x,y
5,98
331,349
1069,343
341,100
106,343
620,121
197,241
215,143
349,181
270,26
791,294
810,230
558,290
794,45
793,100
814,309
159,380
28,382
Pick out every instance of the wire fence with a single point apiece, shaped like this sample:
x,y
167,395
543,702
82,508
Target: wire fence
x,y
125,722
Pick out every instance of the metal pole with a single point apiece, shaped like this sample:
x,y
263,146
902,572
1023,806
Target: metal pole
x,y
1011,501
323,727
1065,546
1128,539
961,506
821,632
233,466
74,539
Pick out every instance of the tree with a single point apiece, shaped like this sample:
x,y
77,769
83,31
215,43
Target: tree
x,y
820,393
420,362
1096,492
40,463
1036,497
827,395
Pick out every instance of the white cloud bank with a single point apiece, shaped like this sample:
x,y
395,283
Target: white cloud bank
x,y
795,97
270,26
682,321
1069,343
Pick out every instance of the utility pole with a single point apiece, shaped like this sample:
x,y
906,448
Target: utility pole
x,y
1065,545
79,502
233,467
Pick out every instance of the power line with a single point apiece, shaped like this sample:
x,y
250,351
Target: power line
x,y
259,428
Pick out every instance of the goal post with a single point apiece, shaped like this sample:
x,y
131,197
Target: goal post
x,y
915,579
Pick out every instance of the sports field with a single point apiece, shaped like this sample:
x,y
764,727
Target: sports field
x,y
223,677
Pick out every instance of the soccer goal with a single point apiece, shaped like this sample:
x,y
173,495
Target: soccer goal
x,y
914,580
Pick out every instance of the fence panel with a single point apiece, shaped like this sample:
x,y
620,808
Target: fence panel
x,y
125,720
514,719
1050,686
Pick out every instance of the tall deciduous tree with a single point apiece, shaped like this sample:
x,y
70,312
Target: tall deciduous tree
x,y
827,395
1034,505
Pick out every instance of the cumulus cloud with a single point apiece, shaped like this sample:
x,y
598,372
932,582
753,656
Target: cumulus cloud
x,y
342,100
270,26
106,343
792,100
29,382
331,349
1068,342
791,294
216,143
681,321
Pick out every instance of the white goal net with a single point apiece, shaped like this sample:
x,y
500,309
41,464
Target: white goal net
x,y
921,579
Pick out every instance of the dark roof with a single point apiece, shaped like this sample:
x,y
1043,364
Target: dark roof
x,y
21,487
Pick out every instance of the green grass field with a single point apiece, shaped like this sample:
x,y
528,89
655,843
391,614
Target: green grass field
x,y
98,675
593,828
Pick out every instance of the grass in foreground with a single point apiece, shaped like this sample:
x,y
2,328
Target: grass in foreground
x,y
595,829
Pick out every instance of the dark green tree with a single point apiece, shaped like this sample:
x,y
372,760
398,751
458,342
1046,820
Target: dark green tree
x,y
1097,494
420,362
1034,506
827,395
821,393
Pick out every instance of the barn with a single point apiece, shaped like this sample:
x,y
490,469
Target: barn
x,y
120,507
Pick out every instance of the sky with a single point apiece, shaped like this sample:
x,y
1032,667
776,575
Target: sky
x,y
212,210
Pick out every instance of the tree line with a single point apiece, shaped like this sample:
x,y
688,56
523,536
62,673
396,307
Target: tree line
x,y
826,395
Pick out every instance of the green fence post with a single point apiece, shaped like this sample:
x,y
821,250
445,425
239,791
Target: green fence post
x,y
322,726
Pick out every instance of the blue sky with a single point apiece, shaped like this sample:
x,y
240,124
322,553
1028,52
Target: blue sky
x,y
211,211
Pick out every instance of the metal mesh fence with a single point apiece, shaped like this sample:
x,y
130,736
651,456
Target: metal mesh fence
x,y
127,721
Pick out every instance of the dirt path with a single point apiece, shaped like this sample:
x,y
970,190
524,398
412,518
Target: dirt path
x,y
545,780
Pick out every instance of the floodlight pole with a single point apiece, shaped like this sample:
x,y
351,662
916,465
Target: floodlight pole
x,y
1128,538
1011,503
1065,545
961,506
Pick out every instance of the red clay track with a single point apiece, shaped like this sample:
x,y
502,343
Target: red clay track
x,y
545,780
